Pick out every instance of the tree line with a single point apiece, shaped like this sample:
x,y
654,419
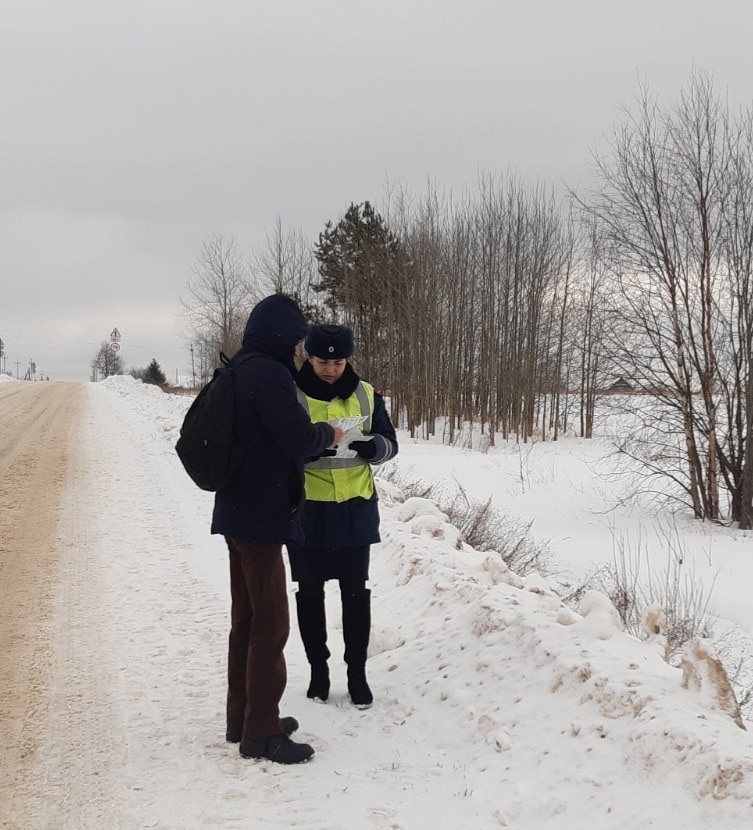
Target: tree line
x,y
108,362
511,308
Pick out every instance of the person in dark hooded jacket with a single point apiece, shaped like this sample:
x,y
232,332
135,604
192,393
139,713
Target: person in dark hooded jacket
x,y
259,511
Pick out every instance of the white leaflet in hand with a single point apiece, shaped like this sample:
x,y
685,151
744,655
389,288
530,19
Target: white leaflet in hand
x,y
347,424
350,427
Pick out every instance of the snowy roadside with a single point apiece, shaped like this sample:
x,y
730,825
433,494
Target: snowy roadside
x,y
495,705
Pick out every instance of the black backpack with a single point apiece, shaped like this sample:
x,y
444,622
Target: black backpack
x,y
207,446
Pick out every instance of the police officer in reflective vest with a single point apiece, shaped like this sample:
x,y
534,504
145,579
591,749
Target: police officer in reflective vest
x,y
341,516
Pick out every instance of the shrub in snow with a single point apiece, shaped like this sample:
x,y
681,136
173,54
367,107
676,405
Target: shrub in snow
x,y
481,525
634,584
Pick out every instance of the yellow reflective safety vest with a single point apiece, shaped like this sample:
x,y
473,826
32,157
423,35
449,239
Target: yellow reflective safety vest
x,y
340,479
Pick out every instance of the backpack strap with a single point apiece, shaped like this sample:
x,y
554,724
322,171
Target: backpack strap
x,y
235,362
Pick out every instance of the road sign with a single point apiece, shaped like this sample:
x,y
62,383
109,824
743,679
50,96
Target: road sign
x,y
114,347
115,334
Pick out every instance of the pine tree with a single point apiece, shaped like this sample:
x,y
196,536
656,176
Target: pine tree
x,y
154,374
362,270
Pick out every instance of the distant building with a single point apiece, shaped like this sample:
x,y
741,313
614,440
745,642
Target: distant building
x,y
620,387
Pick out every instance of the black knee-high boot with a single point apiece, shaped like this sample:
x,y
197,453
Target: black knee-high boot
x,y
312,623
356,631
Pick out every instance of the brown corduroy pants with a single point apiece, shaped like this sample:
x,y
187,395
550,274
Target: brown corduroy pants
x,y
259,629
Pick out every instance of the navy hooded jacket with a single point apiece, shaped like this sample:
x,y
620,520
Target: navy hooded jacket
x,y
264,502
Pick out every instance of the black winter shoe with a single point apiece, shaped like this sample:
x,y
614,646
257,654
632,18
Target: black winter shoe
x,y
358,688
279,749
234,731
319,685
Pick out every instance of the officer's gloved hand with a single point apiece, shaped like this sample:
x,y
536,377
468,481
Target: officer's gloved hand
x,y
323,454
366,449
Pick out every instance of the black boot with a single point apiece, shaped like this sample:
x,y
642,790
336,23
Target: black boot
x,y
279,749
312,623
356,632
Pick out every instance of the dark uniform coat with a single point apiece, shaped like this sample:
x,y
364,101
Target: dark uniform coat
x,y
338,534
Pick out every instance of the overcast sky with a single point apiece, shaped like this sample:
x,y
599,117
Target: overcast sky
x,y
134,129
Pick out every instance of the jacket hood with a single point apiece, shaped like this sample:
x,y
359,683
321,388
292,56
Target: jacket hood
x,y
275,327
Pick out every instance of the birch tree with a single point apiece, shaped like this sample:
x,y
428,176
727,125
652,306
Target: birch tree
x,y
673,211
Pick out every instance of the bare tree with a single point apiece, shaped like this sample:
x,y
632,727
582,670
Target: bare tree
x,y
107,362
220,298
484,301
588,321
673,212
735,350
420,387
286,265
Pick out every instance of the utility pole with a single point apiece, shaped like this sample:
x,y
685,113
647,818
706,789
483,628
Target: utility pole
x,y
18,363
193,370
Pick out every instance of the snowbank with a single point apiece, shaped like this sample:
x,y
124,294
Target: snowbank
x,y
496,706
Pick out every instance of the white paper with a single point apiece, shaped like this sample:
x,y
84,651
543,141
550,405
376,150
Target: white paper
x,y
350,427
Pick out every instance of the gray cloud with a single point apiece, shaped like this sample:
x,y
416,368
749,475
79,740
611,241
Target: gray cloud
x,y
133,130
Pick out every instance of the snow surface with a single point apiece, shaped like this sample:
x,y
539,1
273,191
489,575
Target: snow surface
x,y
495,705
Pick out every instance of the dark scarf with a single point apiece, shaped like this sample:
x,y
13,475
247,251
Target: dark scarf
x,y
320,390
